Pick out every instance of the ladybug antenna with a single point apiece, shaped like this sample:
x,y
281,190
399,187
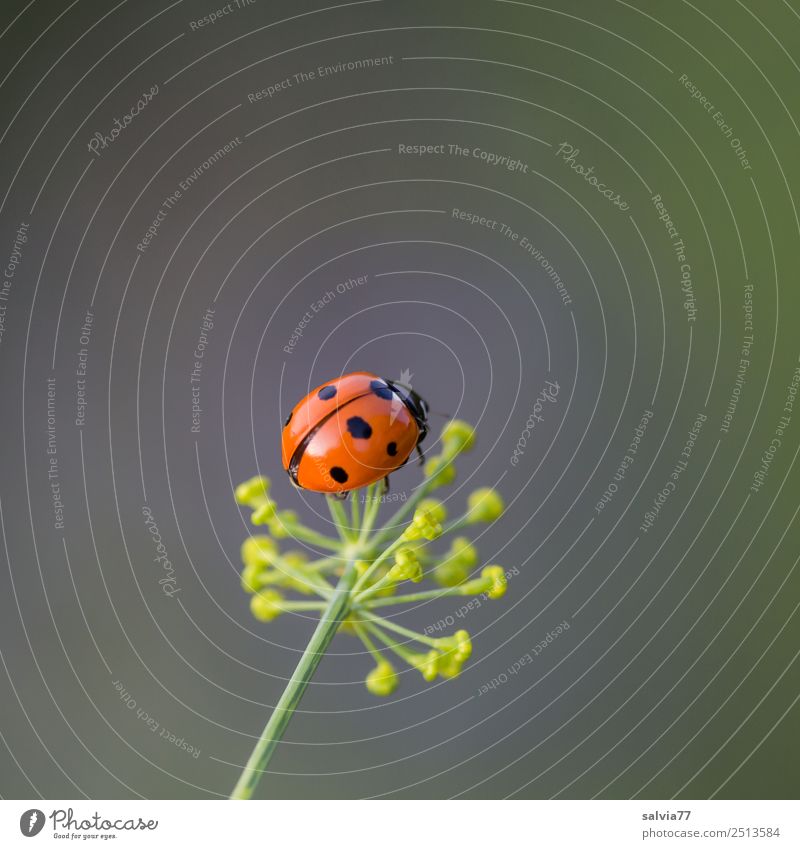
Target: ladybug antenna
x,y
440,414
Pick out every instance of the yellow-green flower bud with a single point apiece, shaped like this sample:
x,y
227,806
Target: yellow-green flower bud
x,y
459,435
434,508
264,513
252,575
450,665
252,492
463,644
462,549
259,550
455,651
497,580
266,605
296,559
485,505
459,644
440,470
427,664
456,567
382,680
423,525
406,566
282,522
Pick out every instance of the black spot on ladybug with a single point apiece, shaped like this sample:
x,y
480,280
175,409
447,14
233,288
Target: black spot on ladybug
x,y
286,423
326,393
381,389
391,449
339,474
359,429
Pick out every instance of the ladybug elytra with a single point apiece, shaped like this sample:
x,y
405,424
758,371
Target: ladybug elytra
x,y
351,432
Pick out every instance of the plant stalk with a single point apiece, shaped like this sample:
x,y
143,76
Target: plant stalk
x,y
337,609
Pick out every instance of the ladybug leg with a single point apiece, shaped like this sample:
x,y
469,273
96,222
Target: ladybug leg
x,y
385,485
421,455
340,496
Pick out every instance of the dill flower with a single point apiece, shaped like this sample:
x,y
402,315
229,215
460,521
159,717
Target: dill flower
x,y
485,505
406,566
458,563
458,435
439,471
266,605
348,578
383,680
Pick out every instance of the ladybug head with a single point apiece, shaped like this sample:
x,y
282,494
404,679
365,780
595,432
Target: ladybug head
x,y
416,405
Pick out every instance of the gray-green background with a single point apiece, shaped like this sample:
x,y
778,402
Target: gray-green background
x,y
678,674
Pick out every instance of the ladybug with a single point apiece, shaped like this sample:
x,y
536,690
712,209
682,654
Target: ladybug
x,y
351,432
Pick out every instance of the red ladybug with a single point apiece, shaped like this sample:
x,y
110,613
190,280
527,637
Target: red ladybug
x,y
351,432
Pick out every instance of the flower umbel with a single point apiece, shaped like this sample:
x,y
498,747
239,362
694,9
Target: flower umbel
x,y
361,569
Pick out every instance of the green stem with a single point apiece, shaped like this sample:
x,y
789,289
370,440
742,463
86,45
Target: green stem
x,y
381,558
399,629
401,651
381,583
371,508
425,595
393,525
312,537
309,579
448,455
322,563
457,524
340,519
355,510
371,647
330,620
301,605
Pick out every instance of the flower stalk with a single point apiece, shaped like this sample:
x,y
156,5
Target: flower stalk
x,y
329,623
365,569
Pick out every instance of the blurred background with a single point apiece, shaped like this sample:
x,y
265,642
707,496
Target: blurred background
x,y
597,194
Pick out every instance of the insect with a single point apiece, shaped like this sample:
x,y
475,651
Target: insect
x,y
351,432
